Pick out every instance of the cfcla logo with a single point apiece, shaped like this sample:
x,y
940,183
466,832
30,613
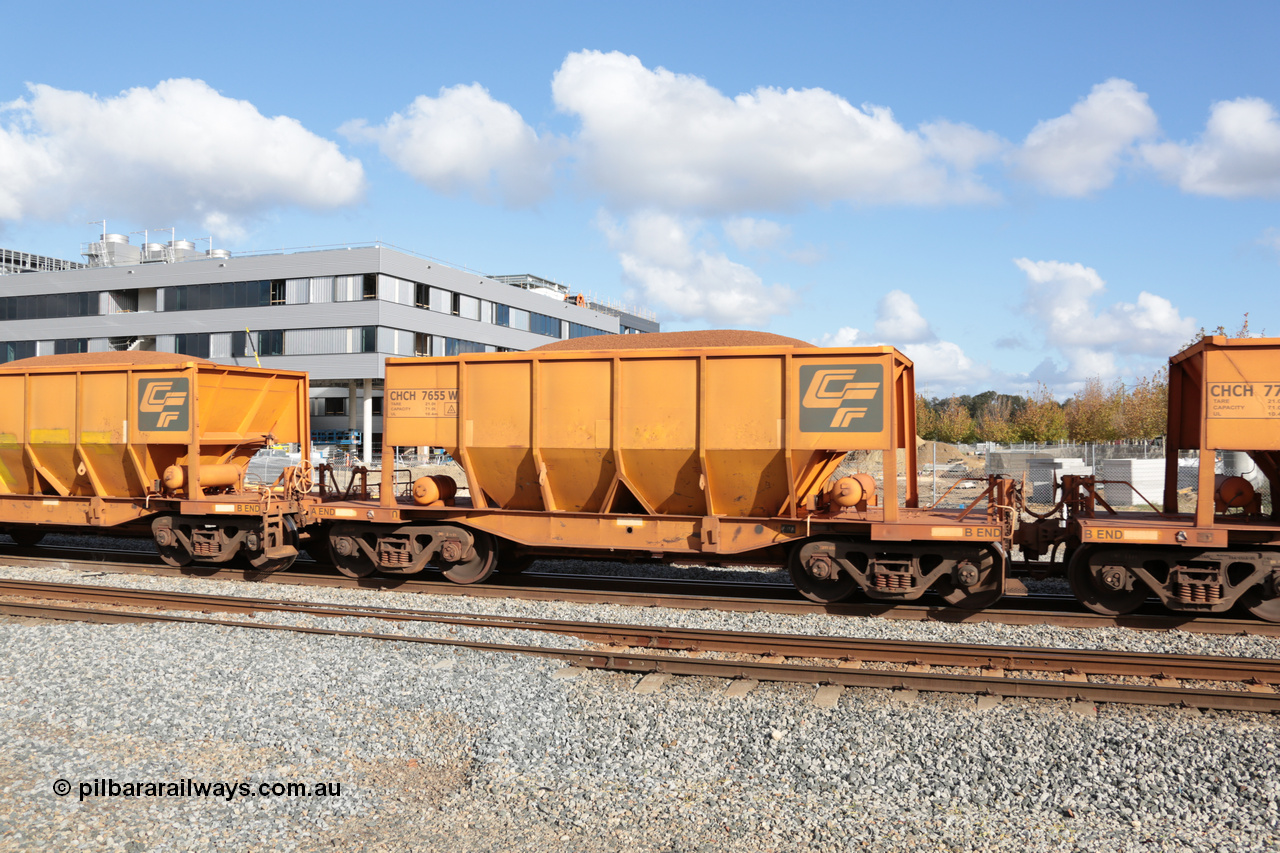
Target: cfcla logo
x,y
854,392
162,404
831,388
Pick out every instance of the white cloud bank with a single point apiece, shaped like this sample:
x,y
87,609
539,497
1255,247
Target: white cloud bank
x,y
178,152
1059,299
660,261
655,138
1238,155
1079,153
938,363
464,141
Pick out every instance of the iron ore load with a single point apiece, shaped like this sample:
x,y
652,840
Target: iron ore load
x,y
722,454
155,444
1211,544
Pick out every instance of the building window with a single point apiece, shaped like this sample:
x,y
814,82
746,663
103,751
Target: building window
x,y
47,306
421,344
577,330
328,406
422,296
66,345
193,344
501,315
271,342
278,296
541,324
370,290
14,350
223,294
454,346
368,338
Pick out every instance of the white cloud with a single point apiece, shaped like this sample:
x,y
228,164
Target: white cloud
x,y
747,233
845,336
1238,154
899,321
1060,296
944,363
174,152
464,141
657,138
660,261
1080,152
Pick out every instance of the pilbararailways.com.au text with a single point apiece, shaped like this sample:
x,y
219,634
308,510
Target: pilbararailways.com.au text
x,y
190,788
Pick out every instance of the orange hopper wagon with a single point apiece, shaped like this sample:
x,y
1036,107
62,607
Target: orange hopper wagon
x,y
717,454
144,442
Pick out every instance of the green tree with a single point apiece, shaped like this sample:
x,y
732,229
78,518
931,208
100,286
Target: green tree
x,y
1144,411
955,424
995,420
926,419
1042,419
1093,414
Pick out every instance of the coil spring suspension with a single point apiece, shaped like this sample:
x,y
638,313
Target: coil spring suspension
x,y
204,543
893,581
392,553
1198,593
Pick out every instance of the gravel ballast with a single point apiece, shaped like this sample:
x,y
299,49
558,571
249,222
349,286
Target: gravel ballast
x,y
446,749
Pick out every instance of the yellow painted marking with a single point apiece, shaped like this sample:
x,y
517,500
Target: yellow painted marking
x,y
629,522
1116,534
335,513
224,507
947,531
51,503
51,436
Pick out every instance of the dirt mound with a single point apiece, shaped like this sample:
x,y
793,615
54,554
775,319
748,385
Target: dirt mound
x,y
676,340
91,359
947,453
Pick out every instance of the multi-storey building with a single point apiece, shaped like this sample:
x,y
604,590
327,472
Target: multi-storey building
x,y
334,312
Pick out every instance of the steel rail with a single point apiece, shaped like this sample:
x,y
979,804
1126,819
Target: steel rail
x,y
1019,658
1208,699
760,597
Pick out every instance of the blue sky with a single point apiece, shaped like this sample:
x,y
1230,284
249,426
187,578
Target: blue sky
x,y
1009,192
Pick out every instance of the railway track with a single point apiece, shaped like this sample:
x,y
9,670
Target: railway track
x,y
1002,671
1057,610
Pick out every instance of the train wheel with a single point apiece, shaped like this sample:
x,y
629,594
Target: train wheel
x,y
347,555
264,565
817,558
973,586
1264,607
25,537
1113,591
169,543
481,564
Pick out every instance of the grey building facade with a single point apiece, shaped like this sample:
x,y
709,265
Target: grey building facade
x,y
335,313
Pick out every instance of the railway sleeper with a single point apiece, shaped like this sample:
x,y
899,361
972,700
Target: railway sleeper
x,y
1117,580
358,550
834,569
